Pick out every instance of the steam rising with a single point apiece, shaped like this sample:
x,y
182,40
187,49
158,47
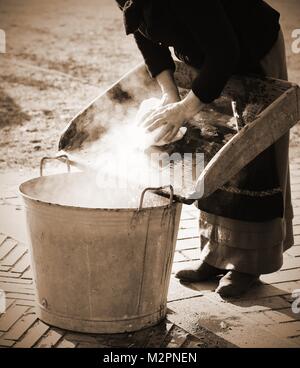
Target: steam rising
x,y
118,170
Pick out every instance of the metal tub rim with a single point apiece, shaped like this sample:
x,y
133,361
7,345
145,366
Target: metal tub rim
x,y
35,199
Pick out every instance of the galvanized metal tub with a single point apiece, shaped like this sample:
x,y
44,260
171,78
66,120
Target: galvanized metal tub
x,y
99,270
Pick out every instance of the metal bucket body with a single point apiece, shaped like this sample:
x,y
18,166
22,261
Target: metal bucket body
x,y
100,270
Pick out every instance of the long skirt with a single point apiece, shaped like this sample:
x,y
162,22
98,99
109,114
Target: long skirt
x,y
254,247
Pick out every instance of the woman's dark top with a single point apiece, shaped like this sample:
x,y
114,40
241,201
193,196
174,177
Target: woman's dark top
x,y
220,37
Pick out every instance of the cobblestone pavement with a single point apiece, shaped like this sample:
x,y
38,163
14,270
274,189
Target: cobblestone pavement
x,y
197,317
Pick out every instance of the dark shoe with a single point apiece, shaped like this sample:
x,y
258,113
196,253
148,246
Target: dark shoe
x,y
201,273
234,284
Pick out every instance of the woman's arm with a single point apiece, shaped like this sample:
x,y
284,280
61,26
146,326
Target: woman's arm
x,y
157,58
168,86
213,32
215,36
191,104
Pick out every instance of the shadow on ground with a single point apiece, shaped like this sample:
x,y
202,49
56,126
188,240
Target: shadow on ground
x,y
163,335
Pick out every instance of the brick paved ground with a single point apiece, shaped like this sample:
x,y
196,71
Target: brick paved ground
x,y
49,90
197,317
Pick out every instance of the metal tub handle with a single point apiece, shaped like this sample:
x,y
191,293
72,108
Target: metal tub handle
x,y
155,190
63,158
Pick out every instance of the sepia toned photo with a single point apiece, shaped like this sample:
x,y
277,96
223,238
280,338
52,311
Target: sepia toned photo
x,y
149,177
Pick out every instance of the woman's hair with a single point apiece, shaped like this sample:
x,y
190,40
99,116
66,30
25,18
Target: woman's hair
x,y
132,12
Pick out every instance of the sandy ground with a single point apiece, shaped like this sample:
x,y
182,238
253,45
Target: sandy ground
x,y
62,54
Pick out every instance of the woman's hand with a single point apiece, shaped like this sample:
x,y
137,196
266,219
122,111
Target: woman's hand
x,y
172,116
169,98
150,106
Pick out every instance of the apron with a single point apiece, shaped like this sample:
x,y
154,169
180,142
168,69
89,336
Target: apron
x,y
228,239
